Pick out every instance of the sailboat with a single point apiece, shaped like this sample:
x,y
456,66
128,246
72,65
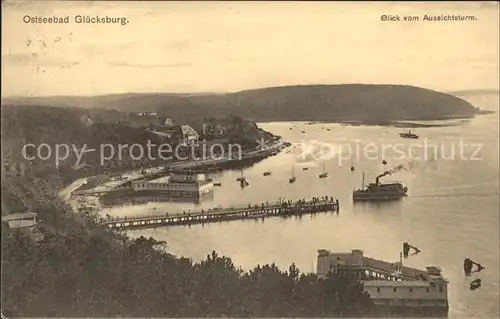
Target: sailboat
x,y
293,178
241,178
406,249
244,183
324,174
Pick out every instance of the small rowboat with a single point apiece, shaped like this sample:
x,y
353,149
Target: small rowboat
x,y
475,284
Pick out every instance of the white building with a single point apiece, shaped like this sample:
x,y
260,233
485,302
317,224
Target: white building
x,y
177,185
189,135
389,284
168,123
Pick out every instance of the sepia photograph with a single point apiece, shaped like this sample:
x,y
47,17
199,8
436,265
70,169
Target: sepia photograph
x,y
250,159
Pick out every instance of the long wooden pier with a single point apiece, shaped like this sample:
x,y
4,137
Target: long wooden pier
x,y
223,214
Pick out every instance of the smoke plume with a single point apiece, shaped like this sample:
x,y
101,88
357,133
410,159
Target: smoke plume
x,y
398,168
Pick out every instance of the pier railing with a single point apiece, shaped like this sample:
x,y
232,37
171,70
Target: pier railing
x,y
224,214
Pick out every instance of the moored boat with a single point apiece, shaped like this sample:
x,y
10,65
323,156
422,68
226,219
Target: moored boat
x,y
475,284
293,178
324,174
409,135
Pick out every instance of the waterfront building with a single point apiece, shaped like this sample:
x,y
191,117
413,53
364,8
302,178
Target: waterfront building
x,y
176,185
390,285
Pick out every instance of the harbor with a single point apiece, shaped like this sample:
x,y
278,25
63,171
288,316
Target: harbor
x,y
190,160
422,189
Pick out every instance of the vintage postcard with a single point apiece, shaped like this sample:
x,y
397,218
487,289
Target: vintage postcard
x,y
250,159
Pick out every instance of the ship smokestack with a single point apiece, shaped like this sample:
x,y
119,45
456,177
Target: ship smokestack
x,y
381,175
390,172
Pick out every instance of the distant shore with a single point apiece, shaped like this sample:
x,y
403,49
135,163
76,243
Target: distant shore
x,y
370,103
401,124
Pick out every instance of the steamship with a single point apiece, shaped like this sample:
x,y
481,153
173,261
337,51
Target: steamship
x,y
409,135
379,191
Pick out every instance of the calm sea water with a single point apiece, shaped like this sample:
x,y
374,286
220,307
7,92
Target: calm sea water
x,y
451,212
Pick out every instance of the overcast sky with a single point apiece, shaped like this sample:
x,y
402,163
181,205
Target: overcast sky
x,y
224,47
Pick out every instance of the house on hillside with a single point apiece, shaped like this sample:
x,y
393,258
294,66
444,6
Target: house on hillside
x,y
15,164
189,135
122,122
83,167
168,123
25,223
177,134
214,130
86,120
16,168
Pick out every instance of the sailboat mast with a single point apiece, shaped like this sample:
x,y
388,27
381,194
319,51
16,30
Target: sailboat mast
x,y
363,181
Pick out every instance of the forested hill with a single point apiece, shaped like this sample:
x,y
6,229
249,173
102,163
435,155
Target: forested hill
x,y
348,102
